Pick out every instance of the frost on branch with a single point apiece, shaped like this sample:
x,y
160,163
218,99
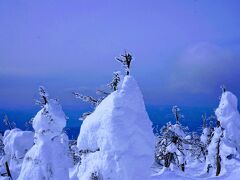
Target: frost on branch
x,y
113,86
126,60
43,96
8,123
115,81
89,99
176,112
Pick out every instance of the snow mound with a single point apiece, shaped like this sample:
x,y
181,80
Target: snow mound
x,y
229,117
119,135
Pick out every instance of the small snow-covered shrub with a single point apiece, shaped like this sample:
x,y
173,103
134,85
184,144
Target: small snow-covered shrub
x,y
170,147
171,143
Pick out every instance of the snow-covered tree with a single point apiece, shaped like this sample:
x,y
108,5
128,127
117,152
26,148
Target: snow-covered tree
x,y
113,85
177,114
126,60
116,140
1,145
214,149
48,158
14,148
115,81
171,144
225,143
4,167
207,133
194,148
89,99
43,96
10,124
16,144
228,115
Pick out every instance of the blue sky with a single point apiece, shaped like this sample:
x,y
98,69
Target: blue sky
x,y
183,49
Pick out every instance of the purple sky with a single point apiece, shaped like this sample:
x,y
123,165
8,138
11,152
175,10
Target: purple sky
x,y
183,49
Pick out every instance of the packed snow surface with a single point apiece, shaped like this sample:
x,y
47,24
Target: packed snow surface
x,y
119,135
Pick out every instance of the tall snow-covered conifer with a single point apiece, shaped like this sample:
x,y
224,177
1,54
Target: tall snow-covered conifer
x,y
225,143
229,118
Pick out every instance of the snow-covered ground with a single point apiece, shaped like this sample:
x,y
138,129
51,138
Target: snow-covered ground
x,y
196,171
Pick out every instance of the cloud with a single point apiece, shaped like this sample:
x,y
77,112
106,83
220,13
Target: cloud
x,y
203,67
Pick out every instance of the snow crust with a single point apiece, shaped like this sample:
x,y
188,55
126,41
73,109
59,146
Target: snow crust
x,y
120,136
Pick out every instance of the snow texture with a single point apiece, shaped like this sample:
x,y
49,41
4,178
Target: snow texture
x,y
120,136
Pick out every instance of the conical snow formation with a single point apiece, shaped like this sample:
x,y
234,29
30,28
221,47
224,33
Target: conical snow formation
x,y
48,158
117,137
228,115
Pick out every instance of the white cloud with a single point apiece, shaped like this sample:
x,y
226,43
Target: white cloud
x,y
203,67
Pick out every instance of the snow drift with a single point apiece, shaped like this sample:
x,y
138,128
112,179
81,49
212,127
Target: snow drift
x,y
118,137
